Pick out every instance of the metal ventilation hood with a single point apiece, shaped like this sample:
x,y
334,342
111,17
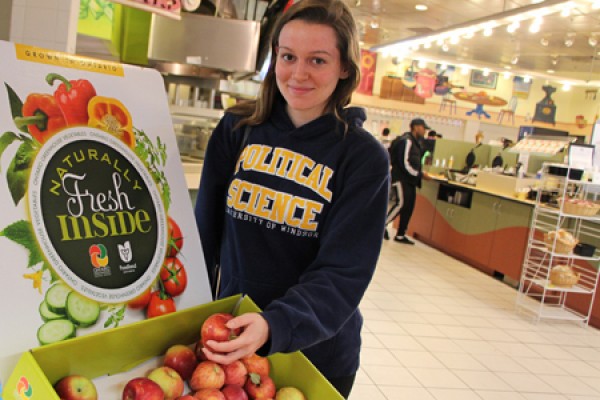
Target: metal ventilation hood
x,y
227,45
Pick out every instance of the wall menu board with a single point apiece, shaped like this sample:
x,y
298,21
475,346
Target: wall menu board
x,y
97,228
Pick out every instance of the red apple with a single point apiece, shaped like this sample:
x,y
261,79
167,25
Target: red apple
x,y
289,393
209,394
214,328
186,397
182,359
199,353
76,387
234,392
207,375
142,389
235,373
256,364
169,381
260,387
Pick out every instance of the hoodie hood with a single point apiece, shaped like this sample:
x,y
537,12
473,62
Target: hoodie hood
x,y
353,116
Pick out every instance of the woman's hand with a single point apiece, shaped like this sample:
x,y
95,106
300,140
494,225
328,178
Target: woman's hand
x,y
255,333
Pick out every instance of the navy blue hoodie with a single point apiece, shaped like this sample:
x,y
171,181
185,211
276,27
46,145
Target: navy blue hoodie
x,y
297,225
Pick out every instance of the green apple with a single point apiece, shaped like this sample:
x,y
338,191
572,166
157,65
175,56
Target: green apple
x,y
289,393
169,381
76,387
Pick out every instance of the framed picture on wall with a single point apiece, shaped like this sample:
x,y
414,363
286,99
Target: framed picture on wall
x,y
521,88
478,79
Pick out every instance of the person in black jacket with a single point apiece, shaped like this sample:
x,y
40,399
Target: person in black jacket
x,y
405,157
294,214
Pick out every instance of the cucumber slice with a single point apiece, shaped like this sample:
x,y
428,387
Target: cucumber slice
x,y
48,315
81,310
55,331
56,298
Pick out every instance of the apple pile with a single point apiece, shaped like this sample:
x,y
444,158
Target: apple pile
x,y
244,379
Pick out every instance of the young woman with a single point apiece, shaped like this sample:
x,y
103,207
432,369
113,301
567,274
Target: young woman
x,y
295,220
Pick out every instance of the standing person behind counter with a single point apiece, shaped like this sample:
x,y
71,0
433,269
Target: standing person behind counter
x,y
296,221
405,157
385,138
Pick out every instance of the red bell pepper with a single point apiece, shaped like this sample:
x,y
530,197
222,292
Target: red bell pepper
x,y
72,98
42,116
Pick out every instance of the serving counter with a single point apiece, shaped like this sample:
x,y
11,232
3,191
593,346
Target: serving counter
x,y
485,229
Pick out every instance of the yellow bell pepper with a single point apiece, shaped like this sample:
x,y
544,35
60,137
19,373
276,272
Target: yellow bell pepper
x,y
110,115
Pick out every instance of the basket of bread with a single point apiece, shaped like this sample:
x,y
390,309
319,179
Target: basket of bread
x,y
580,207
563,276
560,241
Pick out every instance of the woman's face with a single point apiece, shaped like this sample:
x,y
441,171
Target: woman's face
x,y
307,69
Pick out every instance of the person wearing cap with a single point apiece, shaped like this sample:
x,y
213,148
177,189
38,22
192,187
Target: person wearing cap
x,y
405,158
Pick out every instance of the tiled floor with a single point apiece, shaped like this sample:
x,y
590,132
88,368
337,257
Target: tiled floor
x,y
438,329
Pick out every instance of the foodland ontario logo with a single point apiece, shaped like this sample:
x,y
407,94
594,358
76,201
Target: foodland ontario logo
x,y
23,390
98,256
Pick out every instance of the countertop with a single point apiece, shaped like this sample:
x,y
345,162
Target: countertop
x,y
442,179
192,172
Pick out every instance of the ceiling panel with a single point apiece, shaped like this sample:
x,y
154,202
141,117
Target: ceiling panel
x,y
398,18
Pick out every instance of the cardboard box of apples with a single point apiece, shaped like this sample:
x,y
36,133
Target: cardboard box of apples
x,y
129,363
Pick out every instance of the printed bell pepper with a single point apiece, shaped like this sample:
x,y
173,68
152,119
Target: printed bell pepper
x,y
42,116
73,98
110,115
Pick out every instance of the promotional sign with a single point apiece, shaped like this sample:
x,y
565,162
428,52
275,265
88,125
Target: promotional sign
x,y
97,228
368,64
166,8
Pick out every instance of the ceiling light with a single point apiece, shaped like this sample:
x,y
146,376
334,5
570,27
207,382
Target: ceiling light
x,y
469,35
439,42
454,40
487,32
427,45
421,7
569,42
550,71
592,41
513,27
526,79
506,74
544,42
514,60
554,60
536,1
596,5
566,87
464,70
422,64
486,72
443,66
445,47
565,11
534,27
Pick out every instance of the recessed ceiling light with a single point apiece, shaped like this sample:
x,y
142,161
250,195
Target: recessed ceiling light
x,y
421,7
536,1
544,42
550,71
